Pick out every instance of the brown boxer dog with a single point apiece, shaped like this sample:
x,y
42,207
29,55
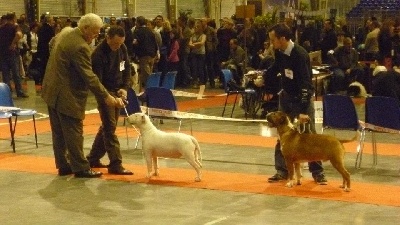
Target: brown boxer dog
x,y
306,147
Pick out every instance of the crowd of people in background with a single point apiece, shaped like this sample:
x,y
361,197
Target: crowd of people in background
x,y
198,49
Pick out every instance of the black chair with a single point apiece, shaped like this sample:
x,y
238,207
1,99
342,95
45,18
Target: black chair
x,y
380,112
231,88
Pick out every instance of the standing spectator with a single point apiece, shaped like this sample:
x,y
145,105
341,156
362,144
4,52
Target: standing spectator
x,y
293,63
45,34
371,46
158,23
23,24
396,43
224,35
110,62
23,48
184,77
198,54
145,48
9,55
236,60
33,63
66,85
173,57
165,47
309,35
127,25
329,39
211,47
385,36
113,21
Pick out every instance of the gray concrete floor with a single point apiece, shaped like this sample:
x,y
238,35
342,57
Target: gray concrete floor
x,y
32,198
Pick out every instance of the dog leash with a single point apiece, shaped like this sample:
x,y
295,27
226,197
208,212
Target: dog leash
x,y
127,114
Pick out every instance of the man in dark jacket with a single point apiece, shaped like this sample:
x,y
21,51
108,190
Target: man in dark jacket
x,y
45,34
9,54
110,62
292,65
329,39
145,47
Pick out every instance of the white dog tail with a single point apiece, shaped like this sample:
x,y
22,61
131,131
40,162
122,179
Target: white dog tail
x,y
197,152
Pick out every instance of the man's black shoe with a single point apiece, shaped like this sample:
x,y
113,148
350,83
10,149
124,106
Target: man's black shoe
x,y
65,171
276,178
320,179
97,165
120,171
88,174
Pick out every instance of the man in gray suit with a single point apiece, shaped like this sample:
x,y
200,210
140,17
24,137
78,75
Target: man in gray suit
x,y
66,85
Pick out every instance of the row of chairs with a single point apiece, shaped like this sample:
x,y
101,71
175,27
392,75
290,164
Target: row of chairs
x,y
156,97
339,113
168,81
7,101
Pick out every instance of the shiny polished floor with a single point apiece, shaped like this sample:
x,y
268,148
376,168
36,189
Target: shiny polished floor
x,y
29,196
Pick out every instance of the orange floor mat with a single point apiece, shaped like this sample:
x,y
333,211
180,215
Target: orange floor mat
x,y
377,194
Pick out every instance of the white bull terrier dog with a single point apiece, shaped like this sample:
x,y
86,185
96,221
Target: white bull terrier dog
x,y
157,143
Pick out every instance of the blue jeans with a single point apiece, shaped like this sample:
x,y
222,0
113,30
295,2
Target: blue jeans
x,y
292,108
10,66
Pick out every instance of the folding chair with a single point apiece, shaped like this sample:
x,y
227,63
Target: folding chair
x,y
383,112
169,80
162,98
231,89
132,107
6,100
8,115
339,113
153,80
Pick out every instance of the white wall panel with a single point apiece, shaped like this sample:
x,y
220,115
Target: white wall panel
x,y
228,8
17,6
59,7
109,7
195,5
151,8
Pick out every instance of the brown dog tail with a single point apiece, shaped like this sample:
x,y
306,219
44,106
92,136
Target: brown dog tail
x,y
197,152
357,136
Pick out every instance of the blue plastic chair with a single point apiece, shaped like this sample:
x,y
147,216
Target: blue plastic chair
x,y
6,100
229,90
132,107
8,115
162,98
169,80
153,80
383,112
339,112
